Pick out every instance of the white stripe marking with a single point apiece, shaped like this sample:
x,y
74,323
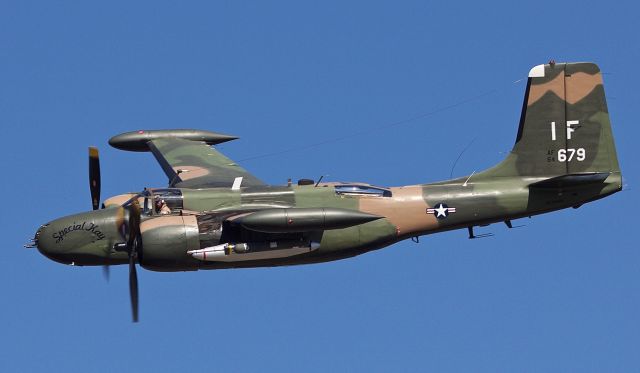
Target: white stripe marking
x,y
236,183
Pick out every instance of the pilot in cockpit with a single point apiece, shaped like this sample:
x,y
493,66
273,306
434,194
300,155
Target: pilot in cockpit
x,y
162,208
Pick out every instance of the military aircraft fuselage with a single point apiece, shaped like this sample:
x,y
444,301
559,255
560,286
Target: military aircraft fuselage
x,y
198,219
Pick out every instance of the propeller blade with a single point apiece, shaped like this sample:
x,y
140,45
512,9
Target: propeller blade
x,y
106,272
133,285
94,176
132,247
134,224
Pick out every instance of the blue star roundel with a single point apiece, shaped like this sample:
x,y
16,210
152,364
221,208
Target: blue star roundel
x,y
441,210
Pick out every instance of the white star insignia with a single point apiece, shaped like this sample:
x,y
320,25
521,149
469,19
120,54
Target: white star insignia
x,y
441,211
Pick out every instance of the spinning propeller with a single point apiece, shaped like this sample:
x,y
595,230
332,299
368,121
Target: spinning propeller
x,y
133,243
94,187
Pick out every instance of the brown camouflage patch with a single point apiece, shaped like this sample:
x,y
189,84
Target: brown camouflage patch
x,y
555,85
160,222
407,209
580,85
191,172
118,200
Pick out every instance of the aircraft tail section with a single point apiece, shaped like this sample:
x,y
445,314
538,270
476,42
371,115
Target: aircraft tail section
x,y
564,126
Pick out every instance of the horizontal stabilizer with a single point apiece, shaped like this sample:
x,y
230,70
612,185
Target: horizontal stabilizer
x,y
571,180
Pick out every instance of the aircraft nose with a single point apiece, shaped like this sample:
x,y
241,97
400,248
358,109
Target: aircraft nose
x,y
46,243
81,239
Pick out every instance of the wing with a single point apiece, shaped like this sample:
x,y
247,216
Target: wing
x,y
195,164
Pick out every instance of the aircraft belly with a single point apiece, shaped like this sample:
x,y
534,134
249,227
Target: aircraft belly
x,y
273,254
227,253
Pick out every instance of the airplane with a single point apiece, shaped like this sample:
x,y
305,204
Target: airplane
x,y
214,214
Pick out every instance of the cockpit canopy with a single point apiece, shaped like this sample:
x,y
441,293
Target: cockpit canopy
x,y
159,201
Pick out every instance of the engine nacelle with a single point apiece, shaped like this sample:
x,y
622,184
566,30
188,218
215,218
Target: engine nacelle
x,y
165,242
293,220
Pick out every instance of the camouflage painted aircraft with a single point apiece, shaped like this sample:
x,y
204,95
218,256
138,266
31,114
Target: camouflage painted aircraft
x,y
214,214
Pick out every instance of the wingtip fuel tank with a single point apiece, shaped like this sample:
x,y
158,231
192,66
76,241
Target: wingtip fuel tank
x,y
136,141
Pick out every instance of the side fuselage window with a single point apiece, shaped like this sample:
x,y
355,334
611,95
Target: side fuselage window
x,y
362,190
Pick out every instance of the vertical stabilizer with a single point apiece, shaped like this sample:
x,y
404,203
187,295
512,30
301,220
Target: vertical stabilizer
x,y
564,125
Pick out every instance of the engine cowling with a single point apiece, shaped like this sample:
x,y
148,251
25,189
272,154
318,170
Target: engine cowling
x,y
165,242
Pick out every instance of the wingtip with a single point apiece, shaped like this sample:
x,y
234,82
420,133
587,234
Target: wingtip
x,y
138,140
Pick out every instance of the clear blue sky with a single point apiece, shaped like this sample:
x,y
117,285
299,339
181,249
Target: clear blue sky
x,y
561,294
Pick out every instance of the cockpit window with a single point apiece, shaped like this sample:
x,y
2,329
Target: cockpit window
x,y
362,190
158,201
167,201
